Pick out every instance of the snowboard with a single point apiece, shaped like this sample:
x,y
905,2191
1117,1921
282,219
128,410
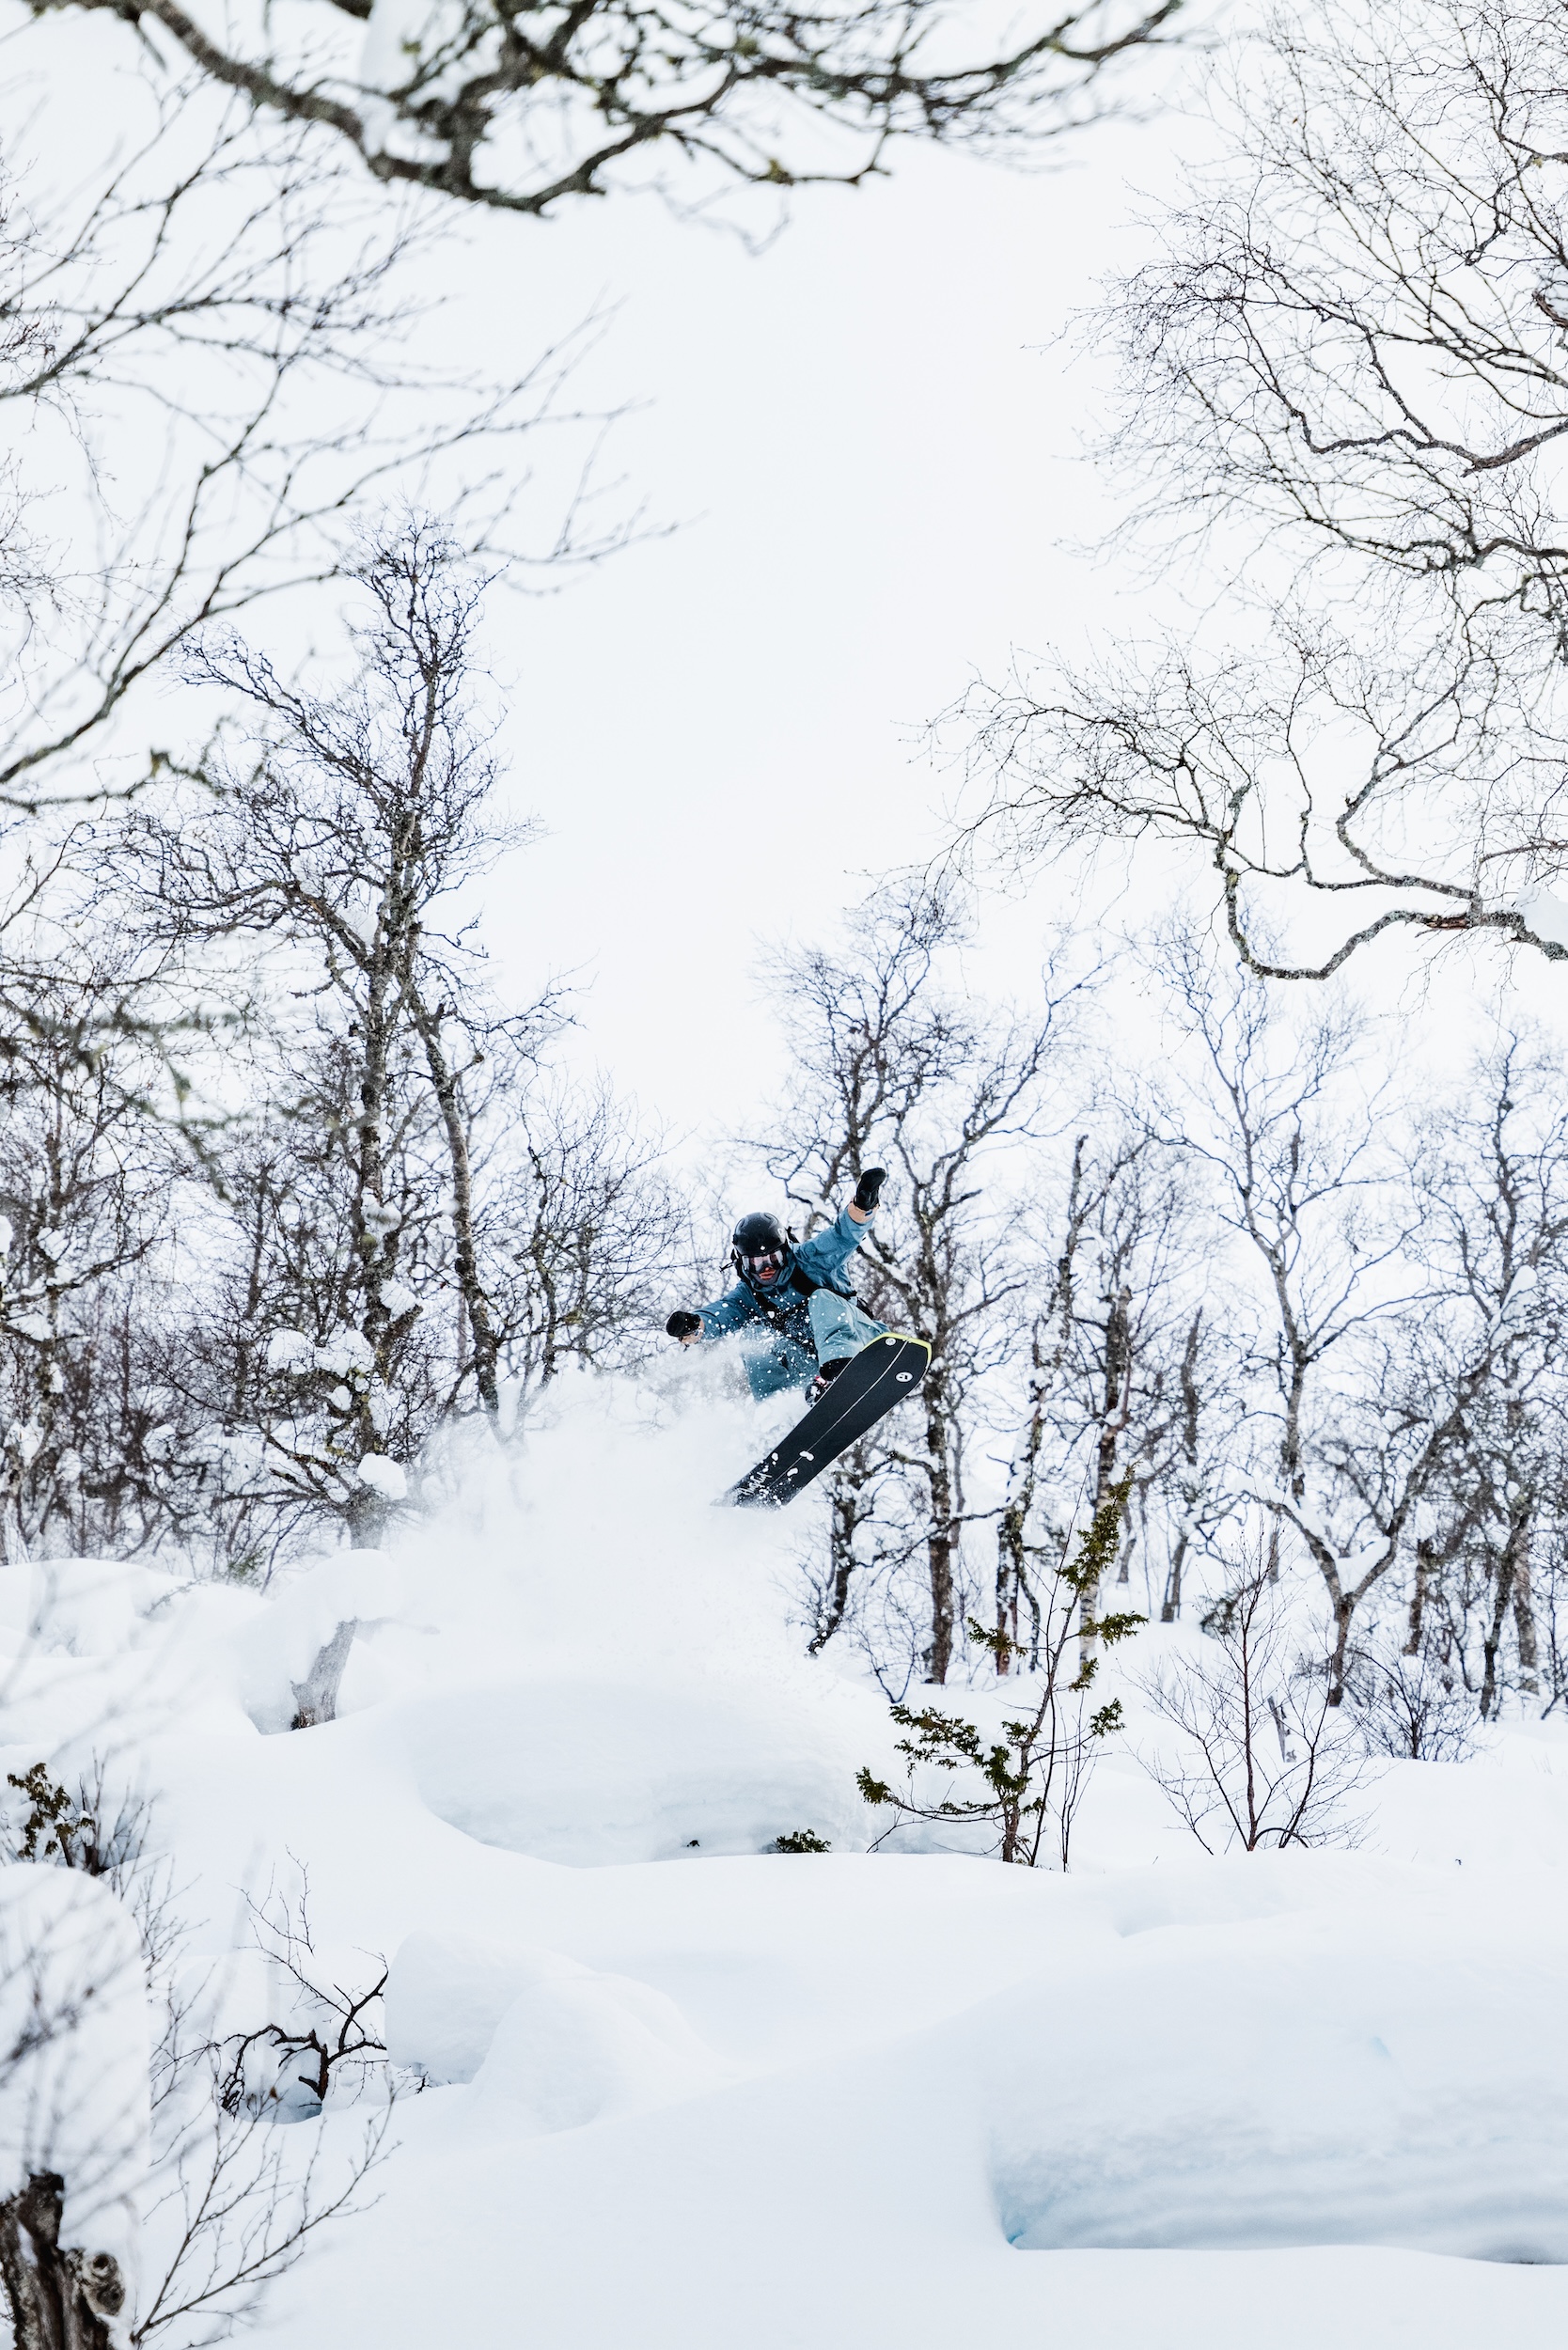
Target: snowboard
x,y
871,1383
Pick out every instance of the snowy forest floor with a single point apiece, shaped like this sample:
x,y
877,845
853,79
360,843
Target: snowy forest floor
x,y
681,2091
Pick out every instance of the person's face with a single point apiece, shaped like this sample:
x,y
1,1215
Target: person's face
x,y
765,1269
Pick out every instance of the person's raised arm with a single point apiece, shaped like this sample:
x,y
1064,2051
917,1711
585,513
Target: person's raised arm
x,y
867,1191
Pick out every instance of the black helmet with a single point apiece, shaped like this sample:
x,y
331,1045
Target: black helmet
x,y
758,1249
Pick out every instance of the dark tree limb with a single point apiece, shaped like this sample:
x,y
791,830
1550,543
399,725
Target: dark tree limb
x,y
569,92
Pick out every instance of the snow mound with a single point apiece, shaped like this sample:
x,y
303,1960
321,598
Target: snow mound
x,y
281,1640
578,2045
1289,2081
445,1997
594,1771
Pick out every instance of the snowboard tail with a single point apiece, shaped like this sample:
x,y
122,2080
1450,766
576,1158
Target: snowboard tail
x,y
871,1383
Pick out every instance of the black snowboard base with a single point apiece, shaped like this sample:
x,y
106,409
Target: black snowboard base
x,y
871,1383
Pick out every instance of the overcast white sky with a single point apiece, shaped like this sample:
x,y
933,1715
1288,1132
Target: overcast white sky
x,y
870,444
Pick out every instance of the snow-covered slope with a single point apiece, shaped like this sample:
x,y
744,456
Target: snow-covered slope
x,y
687,2092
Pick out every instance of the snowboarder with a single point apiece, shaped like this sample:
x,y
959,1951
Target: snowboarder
x,y
798,1316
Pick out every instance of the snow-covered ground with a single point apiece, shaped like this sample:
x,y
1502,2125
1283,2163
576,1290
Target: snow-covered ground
x,y
683,2092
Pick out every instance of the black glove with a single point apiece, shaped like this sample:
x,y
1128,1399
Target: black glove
x,y
867,1191
682,1324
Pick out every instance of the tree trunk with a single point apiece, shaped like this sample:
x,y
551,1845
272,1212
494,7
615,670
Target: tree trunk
x,y
364,1516
1104,1478
1511,1566
11,1538
939,1546
1010,1580
1425,1568
58,2299
315,1696
1248,1717
1012,1572
1344,1608
1045,1370
1114,1414
1192,1490
1524,1628
846,1489
449,1094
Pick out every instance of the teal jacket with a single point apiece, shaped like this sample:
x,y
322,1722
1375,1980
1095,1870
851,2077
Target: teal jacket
x,y
778,1332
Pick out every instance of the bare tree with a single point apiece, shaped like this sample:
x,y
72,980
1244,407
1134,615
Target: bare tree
x,y
1302,1181
257,1361
1413,1706
255,1364
206,351
523,107
1348,362
207,340
895,1068
1274,1763
1354,332
324,2040
579,1224
83,1177
343,836
230,2213
1407,782
405,1213
1095,1406
1400,1369
1491,1180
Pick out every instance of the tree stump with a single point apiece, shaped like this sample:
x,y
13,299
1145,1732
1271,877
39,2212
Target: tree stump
x,y
58,2299
315,1696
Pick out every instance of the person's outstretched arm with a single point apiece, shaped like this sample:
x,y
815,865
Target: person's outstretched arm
x,y
827,1253
694,1326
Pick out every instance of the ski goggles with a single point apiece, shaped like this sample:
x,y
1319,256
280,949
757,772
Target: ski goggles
x,y
765,1268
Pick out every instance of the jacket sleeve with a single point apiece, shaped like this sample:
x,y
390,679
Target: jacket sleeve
x,y
731,1311
827,1253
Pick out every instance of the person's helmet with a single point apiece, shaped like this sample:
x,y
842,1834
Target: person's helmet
x,y
760,1249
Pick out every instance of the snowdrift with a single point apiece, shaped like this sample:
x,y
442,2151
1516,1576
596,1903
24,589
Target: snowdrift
x,y
683,2091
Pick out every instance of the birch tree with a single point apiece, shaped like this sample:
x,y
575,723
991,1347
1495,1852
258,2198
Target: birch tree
x,y
1492,1182
1344,365
339,837
1097,1406
85,1175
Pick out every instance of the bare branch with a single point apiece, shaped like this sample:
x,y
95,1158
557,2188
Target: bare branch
x,y
519,106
